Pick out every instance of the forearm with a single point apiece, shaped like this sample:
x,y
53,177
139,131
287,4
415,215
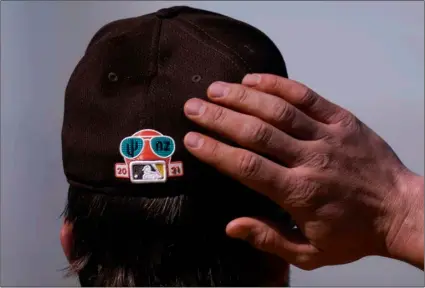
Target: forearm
x,y
407,243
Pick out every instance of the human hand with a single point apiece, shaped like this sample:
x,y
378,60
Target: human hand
x,y
345,188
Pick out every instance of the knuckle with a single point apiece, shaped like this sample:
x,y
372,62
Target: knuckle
x,y
218,114
239,93
349,125
282,112
214,149
273,82
348,120
305,188
309,98
264,240
320,161
261,134
249,165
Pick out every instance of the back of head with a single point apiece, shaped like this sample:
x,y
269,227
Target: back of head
x,y
144,212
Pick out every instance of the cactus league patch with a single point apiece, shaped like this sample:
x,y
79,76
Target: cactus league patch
x,y
147,155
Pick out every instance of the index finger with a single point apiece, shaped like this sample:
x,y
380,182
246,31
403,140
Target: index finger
x,y
298,95
252,170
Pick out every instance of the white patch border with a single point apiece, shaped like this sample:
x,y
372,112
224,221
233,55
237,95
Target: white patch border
x,y
136,181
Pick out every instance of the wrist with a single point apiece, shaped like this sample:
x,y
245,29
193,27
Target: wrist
x,y
405,239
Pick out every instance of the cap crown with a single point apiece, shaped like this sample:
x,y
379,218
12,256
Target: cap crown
x,y
137,73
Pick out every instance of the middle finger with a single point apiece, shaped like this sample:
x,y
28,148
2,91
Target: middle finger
x,y
247,131
270,108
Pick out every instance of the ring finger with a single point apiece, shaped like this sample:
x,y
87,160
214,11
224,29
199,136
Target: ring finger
x,y
247,131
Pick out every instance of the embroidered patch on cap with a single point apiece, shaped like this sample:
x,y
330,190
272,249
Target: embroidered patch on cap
x,y
147,155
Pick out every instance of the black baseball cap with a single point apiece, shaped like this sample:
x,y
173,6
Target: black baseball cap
x,y
124,124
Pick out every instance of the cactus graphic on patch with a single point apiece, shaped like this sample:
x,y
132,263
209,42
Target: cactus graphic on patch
x,y
132,146
147,155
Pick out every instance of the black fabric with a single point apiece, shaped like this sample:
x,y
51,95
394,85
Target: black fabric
x,y
136,74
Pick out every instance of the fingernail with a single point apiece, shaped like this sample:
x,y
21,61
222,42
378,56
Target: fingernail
x,y
193,107
193,140
251,79
218,89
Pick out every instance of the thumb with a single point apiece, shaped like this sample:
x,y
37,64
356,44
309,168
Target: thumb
x,y
288,244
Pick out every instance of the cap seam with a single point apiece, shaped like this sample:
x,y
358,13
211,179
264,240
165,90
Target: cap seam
x,y
153,69
217,41
158,43
209,46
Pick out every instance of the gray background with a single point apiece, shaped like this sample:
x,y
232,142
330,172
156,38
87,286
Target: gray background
x,y
368,57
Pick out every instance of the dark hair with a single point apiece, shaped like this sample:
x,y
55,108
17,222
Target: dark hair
x,y
171,241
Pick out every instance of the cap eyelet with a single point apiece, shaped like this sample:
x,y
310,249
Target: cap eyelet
x,y
196,78
113,77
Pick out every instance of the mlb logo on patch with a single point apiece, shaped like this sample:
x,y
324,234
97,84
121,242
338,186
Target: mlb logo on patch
x,y
147,155
148,171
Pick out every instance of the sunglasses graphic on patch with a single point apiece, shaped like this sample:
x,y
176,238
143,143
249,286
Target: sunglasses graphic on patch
x,y
161,146
147,158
